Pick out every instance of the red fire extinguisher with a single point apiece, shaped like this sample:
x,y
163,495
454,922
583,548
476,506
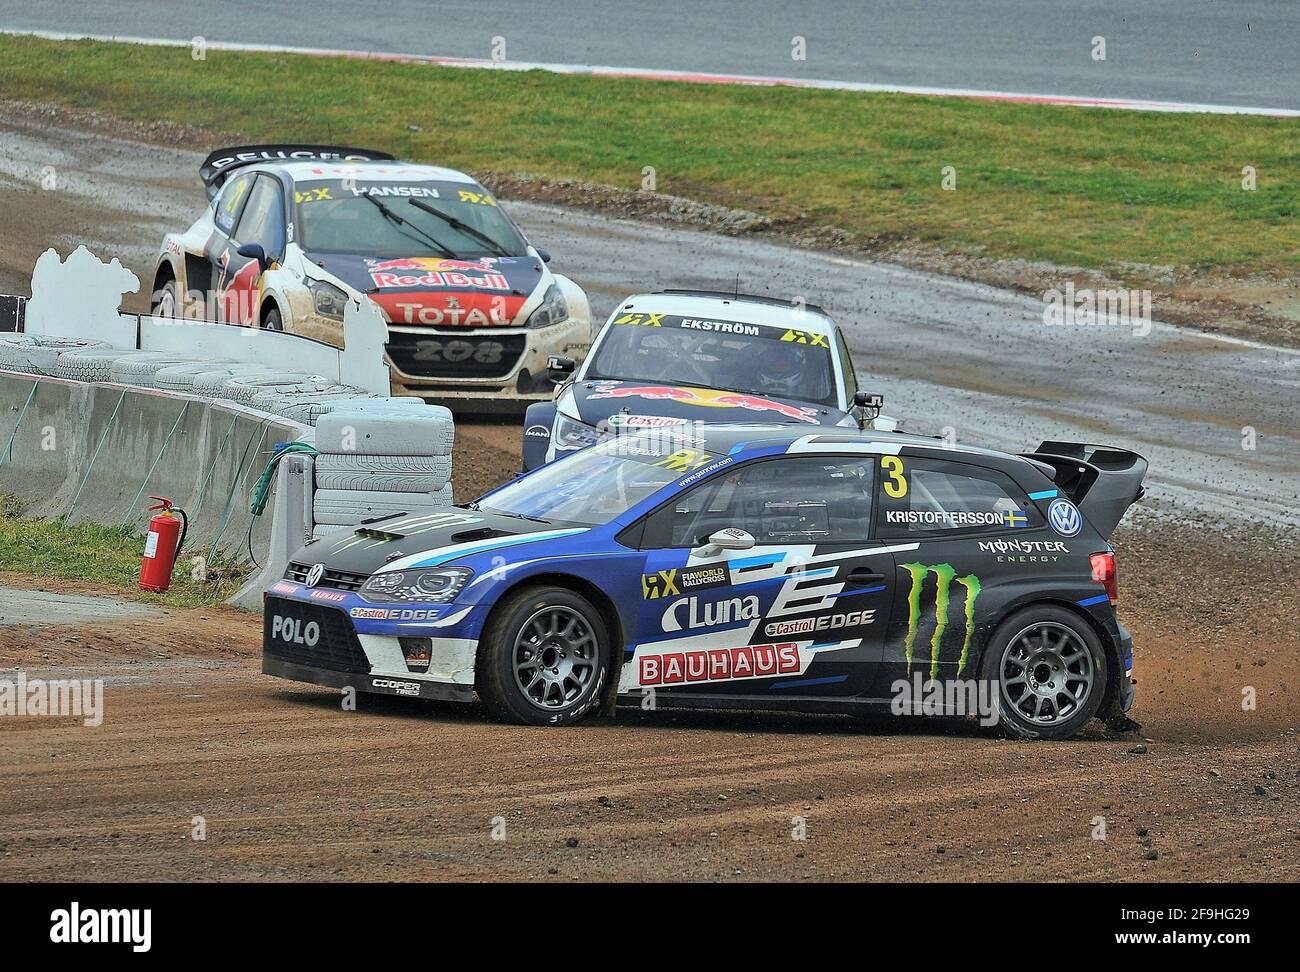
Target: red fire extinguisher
x,y
162,545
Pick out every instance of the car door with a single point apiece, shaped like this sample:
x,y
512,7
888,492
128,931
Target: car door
x,y
968,542
220,249
802,612
261,221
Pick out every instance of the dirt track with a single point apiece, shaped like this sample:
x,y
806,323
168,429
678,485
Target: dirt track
x,y
293,787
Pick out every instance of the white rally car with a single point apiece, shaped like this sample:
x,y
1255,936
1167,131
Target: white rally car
x,y
292,233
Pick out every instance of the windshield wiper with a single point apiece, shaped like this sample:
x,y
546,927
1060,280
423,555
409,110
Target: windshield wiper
x,y
496,248
512,515
446,250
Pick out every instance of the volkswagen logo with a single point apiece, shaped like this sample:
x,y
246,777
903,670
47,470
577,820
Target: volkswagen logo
x,y
314,575
1065,518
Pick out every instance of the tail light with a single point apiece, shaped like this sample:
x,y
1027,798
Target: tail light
x,y
1103,572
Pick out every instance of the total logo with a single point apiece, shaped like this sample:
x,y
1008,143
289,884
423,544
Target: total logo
x,y
294,631
827,622
689,612
719,664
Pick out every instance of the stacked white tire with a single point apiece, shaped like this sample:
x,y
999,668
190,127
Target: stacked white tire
x,y
377,458
92,365
139,368
44,354
180,378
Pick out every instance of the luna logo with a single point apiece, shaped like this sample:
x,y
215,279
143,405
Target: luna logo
x,y
709,614
944,575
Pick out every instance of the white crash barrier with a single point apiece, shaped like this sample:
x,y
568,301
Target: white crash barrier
x,y
380,454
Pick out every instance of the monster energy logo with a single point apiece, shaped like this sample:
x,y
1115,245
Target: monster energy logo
x,y
944,575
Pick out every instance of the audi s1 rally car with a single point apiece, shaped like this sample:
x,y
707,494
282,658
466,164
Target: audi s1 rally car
x,y
294,232
683,356
751,566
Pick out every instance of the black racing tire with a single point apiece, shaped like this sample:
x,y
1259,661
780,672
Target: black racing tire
x,y
1044,658
168,292
567,669
271,319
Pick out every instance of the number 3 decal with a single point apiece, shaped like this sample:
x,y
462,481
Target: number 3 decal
x,y
896,484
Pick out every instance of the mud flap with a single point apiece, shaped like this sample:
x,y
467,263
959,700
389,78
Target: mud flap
x,y
1102,481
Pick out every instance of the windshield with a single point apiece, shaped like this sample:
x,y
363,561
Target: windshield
x,y
340,216
750,358
595,485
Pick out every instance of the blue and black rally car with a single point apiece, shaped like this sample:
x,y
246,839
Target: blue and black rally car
x,y
736,566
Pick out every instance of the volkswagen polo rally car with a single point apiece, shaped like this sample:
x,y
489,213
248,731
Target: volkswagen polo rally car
x,y
749,566
683,356
292,233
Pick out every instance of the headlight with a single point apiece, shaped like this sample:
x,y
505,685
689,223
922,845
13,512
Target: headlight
x,y
553,309
327,299
572,434
439,585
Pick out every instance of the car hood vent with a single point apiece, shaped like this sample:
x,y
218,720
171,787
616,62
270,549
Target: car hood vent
x,y
481,533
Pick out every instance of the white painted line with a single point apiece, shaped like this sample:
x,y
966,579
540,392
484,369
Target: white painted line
x,y
605,71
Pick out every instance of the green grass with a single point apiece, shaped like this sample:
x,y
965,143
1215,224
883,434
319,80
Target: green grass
x,y
106,555
1074,186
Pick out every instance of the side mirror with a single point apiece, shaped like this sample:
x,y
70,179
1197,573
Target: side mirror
x,y
867,406
543,255
559,367
254,251
728,539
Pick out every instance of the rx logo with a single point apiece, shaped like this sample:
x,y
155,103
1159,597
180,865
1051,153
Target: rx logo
x,y
314,575
803,337
662,584
1065,518
644,320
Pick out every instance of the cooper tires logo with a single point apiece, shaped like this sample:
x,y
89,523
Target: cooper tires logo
x,y
1065,518
395,686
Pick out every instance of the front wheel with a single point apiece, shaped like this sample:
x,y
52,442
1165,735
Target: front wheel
x,y
1050,670
166,300
544,657
271,320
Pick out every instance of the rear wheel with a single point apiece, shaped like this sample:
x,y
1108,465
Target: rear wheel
x,y
544,657
1050,669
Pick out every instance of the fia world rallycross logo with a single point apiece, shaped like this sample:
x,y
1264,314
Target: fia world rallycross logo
x,y
944,575
1065,518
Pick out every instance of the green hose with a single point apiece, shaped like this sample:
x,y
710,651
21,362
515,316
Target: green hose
x,y
263,488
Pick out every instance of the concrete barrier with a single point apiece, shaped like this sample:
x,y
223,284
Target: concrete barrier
x,y
96,452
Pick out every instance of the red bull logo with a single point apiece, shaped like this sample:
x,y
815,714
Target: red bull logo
x,y
707,398
427,272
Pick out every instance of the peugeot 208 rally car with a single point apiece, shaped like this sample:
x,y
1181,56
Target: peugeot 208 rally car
x,y
292,233
759,566
684,356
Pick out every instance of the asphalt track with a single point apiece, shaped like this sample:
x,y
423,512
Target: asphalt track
x,y
947,354
1241,53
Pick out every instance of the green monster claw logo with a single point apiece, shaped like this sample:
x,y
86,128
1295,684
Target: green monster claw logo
x,y
944,575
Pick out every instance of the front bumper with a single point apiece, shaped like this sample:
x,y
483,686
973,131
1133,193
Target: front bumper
x,y
480,364
399,685
333,638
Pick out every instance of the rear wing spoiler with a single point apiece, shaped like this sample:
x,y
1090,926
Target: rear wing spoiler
x,y
219,164
1102,481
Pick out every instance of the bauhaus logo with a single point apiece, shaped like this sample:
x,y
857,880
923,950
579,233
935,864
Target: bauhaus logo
x,y
944,576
